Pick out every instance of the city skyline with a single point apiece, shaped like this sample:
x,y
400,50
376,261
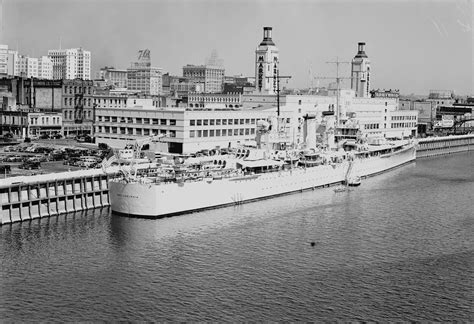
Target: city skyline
x,y
413,47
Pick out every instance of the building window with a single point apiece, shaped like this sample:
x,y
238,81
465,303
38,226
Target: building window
x,y
155,121
224,132
192,122
230,122
173,122
224,122
218,122
247,131
204,133
218,132
138,121
211,122
299,102
199,133
205,122
199,122
236,132
163,122
192,133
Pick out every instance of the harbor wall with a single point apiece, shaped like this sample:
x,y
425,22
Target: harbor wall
x,y
30,197
443,145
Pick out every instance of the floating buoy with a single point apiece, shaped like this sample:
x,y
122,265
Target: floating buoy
x,y
313,243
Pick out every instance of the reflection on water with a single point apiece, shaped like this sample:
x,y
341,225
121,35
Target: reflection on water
x,y
397,248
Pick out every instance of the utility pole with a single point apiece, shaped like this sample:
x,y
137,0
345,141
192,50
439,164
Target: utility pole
x,y
338,82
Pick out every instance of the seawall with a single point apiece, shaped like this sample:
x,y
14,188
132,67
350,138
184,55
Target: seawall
x,y
30,197
434,146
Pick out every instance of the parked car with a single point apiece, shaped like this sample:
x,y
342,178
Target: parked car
x,y
29,165
44,136
74,161
85,138
14,158
11,148
5,169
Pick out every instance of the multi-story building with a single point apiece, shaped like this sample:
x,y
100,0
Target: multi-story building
x,y
12,116
28,66
77,107
207,78
3,60
43,123
73,63
14,121
144,78
267,64
215,100
184,130
45,68
114,77
13,63
360,81
441,97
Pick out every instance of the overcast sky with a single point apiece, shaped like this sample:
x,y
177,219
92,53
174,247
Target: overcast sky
x,y
413,45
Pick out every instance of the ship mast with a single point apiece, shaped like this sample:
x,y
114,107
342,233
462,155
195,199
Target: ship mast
x,y
338,85
276,87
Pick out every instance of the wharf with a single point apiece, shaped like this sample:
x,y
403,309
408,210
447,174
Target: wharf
x,y
29,197
442,145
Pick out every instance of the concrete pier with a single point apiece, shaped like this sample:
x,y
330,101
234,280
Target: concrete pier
x,y
29,197
434,146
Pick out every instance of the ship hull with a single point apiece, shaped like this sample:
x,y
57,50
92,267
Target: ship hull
x,y
161,200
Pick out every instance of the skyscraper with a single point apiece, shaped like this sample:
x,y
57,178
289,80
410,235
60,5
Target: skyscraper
x,y
141,76
73,63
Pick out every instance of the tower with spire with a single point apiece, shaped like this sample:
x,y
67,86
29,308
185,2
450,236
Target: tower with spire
x,y
266,64
360,81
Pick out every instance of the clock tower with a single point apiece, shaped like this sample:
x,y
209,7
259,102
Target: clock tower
x,y
266,64
360,81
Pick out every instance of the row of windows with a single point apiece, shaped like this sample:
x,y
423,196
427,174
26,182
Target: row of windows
x,y
73,114
44,120
134,131
403,117
214,99
402,125
77,89
212,122
77,101
222,132
131,120
371,126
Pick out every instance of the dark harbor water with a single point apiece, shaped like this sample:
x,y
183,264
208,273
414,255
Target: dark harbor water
x,y
398,248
